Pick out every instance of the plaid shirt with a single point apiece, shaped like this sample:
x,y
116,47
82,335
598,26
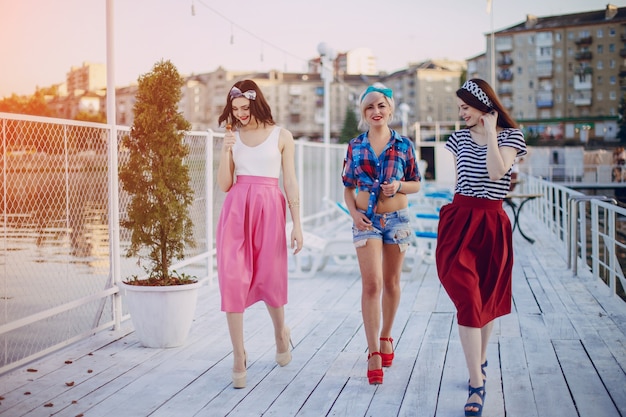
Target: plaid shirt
x,y
364,170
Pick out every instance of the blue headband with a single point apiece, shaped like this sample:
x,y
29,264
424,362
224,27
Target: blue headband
x,y
384,91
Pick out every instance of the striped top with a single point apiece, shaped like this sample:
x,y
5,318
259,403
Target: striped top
x,y
471,163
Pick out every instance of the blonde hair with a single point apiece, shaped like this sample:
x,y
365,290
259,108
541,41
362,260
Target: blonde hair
x,y
368,97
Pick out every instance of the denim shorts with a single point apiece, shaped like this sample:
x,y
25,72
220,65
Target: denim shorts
x,y
391,228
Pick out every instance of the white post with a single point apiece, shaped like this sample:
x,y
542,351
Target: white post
x,y
327,56
114,214
404,111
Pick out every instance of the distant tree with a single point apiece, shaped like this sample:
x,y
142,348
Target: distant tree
x,y
34,105
84,116
621,120
350,127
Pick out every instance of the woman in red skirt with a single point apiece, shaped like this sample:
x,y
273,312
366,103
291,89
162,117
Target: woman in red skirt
x,y
474,247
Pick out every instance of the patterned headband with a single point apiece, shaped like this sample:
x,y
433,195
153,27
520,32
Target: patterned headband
x,y
384,91
235,92
477,92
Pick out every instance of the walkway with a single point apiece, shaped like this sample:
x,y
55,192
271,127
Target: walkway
x,y
562,352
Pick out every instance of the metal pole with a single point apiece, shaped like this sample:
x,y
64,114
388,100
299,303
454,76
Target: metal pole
x,y
114,213
326,75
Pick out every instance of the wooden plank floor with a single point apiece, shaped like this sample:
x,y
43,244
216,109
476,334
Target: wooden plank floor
x,y
562,352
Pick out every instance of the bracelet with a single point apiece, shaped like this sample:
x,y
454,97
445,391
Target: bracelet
x,y
294,203
399,187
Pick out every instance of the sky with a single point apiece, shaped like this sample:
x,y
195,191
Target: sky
x,y
40,40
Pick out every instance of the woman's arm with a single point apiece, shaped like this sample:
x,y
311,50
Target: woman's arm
x,y
290,184
226,168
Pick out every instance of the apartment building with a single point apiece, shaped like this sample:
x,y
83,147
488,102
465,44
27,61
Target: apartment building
x,y
561,77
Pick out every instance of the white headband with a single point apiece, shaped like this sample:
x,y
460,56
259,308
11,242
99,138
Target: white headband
x,y
477,92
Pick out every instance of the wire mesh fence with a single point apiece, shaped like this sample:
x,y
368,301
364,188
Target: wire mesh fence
x,y
56,284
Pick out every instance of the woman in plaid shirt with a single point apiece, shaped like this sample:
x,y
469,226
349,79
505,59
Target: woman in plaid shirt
x,y
378,172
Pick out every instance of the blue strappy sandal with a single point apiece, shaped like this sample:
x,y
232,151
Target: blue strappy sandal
x,y
480,391
484,372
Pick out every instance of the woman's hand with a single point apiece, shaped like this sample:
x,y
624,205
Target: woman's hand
x,y
361,222
296,240
229,139
489,120
390,189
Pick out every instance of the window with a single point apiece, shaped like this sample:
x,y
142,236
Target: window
x,y
600,65
599,95
611,47
612,63
612,95
570,52
584,33
600,80
558,52
557,37
600,33
600,49
570,35
531,84
612,80
611,32
519,70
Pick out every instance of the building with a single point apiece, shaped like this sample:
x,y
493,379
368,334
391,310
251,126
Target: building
x,y
428,89
90,77
560,76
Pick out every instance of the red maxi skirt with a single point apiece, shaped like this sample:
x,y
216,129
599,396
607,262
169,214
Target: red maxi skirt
x,y
474,258
251,245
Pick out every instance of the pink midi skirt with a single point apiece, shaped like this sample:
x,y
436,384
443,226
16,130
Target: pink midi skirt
x,y
474,258
252,245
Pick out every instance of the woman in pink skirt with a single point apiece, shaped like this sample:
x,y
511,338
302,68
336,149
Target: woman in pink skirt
x,y
474,245
251,244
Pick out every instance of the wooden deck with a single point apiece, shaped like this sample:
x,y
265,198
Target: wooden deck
x,y
562,352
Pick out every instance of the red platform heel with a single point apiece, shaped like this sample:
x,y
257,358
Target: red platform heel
x,y
375,376
387,357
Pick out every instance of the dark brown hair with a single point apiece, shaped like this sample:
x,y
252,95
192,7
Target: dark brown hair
x,y
504,119
259,108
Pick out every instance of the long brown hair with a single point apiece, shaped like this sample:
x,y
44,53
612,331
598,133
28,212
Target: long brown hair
x,y
504,119
259,108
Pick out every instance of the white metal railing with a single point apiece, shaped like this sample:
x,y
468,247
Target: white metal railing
x,y
591,228
57,283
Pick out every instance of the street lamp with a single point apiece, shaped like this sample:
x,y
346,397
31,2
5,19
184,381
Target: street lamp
x,y
327,56
404,111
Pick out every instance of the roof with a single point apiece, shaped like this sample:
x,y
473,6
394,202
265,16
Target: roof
x,y
565,20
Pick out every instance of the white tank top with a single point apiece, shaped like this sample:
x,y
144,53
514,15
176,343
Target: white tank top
x,y
263,160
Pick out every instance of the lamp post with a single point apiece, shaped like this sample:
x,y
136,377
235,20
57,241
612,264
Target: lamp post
x,y
327,56
404,111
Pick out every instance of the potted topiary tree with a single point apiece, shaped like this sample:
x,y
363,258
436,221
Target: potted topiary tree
x,y
162,303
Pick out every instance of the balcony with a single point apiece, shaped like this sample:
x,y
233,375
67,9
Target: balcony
x,y
505,91
584,55
622,53
622,70
583,71
505,62
505,75
587,40
583,98
545,103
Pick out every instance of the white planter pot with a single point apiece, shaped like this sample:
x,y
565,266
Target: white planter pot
x,y
161,316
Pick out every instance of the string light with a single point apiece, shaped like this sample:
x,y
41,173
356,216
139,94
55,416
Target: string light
x,y
193,9
243,29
